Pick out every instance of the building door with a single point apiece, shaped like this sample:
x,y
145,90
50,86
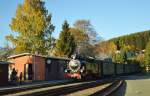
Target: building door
x,y
28,74
48,68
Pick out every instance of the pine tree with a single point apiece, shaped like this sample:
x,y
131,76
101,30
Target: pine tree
x,y
147,54
32,24
65,45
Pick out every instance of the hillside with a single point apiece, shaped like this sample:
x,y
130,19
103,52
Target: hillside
x,y
138,40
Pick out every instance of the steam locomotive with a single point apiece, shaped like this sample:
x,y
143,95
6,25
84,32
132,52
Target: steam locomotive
x,y
82,69
91,68
74,69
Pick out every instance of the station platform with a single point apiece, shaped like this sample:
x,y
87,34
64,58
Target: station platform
x,y
31,85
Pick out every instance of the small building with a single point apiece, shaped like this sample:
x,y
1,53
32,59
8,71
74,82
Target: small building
x,y
32,66
4,73
37,67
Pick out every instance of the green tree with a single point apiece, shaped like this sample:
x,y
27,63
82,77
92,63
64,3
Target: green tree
x,y
32,23
65,45
147,54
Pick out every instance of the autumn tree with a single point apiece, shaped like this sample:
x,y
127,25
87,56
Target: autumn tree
x,y
5,52
105,49
88,37
119,57
65,45
147,54
81,41
32,23
140,59
86,27
79,36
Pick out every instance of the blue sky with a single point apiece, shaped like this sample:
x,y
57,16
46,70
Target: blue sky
x,y
110,18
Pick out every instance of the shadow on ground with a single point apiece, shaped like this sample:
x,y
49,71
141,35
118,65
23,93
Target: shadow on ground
x,y
136,77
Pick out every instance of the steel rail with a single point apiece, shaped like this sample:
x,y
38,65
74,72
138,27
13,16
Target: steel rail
x,y
111,89
69,89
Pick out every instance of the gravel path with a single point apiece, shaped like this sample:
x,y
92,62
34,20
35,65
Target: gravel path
x,y
135,86
138,87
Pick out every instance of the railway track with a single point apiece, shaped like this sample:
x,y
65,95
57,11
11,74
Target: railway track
x,y
104,90
109,90
69,89
73,88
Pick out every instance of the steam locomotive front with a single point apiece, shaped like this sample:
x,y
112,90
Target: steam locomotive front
x,y
74,69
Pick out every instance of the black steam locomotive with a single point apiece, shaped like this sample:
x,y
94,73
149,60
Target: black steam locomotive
x,y
91,68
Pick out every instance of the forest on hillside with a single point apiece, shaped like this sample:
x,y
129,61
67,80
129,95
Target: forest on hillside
x,y
137,40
